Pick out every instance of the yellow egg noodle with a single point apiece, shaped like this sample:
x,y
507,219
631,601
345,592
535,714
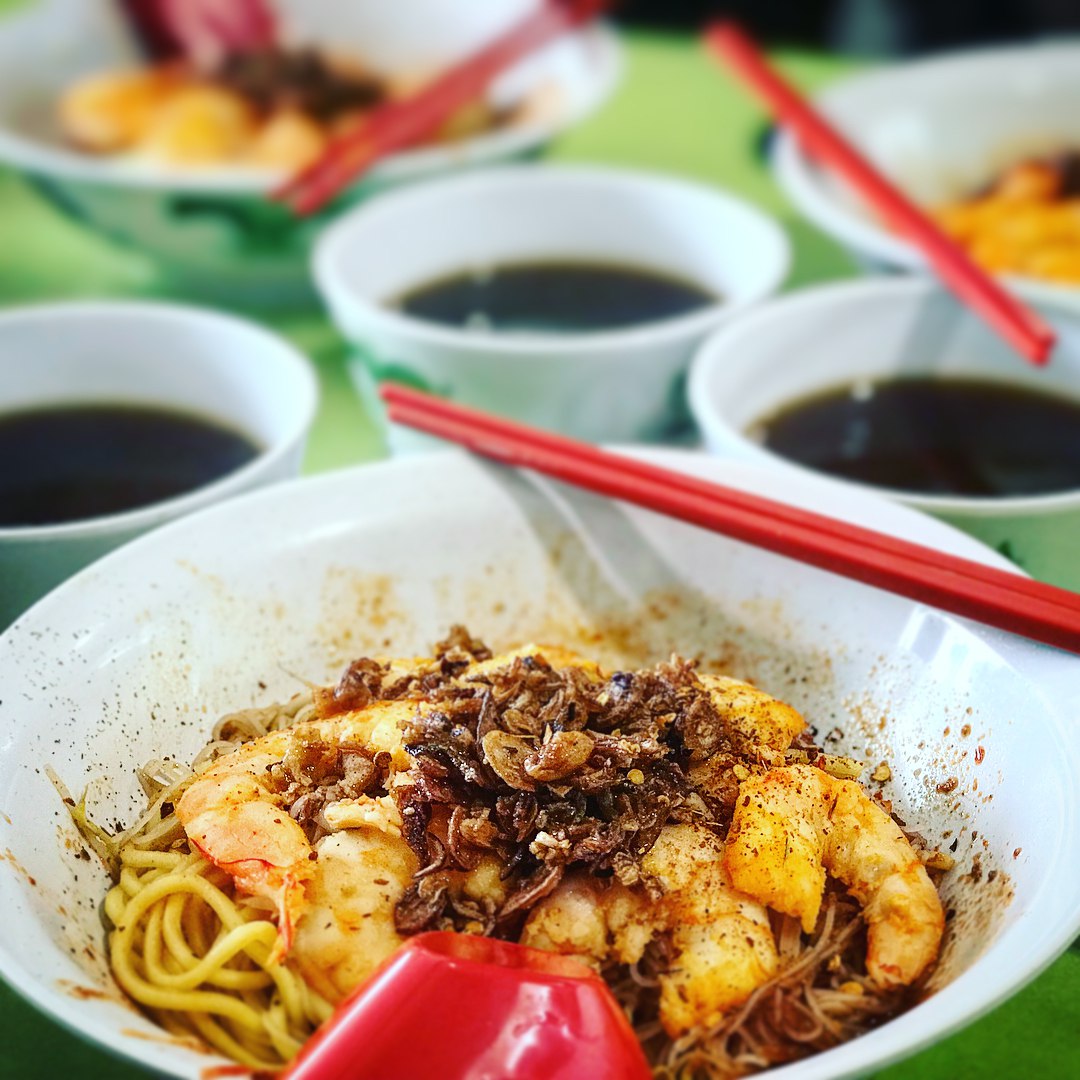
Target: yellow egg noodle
x,y
184,949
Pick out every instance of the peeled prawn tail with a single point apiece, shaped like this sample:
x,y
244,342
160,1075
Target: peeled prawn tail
x,y
283,859
793,824
904,915
285,887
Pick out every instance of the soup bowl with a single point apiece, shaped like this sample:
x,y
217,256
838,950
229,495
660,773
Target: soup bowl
x,y
825,338
135,657
212,230
941,128
163,356
616,385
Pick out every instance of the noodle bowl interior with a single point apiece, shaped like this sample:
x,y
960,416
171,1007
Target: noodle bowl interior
x,y
747,899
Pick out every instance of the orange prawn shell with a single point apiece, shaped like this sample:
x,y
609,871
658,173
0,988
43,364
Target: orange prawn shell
x,y
256,843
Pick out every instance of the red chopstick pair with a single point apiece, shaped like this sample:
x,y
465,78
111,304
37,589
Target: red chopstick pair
x,y
1015,322
405,123
995,597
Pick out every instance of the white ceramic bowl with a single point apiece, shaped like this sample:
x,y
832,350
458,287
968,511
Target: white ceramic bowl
x,y
251,596
940,128
822,338
163,355
621,385
212,230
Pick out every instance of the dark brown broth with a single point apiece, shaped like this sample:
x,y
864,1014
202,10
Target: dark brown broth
x,y
934,436
72,462
558,297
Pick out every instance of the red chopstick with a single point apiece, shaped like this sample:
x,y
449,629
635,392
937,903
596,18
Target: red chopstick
x,y
1015,322
404,123
995,597
738,501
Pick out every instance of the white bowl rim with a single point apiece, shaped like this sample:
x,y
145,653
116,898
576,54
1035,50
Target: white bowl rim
x,y
957,1011
798,175
305,404
535,347
56,162
848,294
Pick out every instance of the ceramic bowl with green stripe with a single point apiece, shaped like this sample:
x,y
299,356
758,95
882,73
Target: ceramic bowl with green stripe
x,y
212,230
617,383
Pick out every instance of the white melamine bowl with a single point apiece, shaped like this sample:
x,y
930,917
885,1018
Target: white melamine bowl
x,y
620,385
160,355
940,128
136,656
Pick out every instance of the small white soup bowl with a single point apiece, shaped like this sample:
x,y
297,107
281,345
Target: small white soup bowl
x,y
619,385
824,338
216,366
941,129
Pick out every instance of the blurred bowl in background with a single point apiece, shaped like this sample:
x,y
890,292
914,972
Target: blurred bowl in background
x,y
620,385
450,31
941,129
164,356
211,229
824,338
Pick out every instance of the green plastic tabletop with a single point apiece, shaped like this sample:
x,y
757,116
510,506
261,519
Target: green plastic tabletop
x,y
674,112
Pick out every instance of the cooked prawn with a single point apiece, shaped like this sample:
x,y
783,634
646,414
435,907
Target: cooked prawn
x,y
108,113
558,656
347,928
591,919
722,940
755,721
794,824
233,816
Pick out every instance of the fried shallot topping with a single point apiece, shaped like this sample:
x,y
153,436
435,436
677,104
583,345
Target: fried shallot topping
x,y
546,769
367,680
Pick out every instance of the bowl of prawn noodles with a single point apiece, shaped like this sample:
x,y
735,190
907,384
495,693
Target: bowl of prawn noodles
x,y
943,129
207,224
249,603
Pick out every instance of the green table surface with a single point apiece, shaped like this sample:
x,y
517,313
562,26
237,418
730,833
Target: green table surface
x,y
673,112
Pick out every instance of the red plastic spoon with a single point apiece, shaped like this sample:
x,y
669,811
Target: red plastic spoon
x,y
459,1007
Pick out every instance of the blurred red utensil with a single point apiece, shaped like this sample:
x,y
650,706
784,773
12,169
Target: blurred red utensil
x,y
201,29
457,1007
1015,322
400,124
